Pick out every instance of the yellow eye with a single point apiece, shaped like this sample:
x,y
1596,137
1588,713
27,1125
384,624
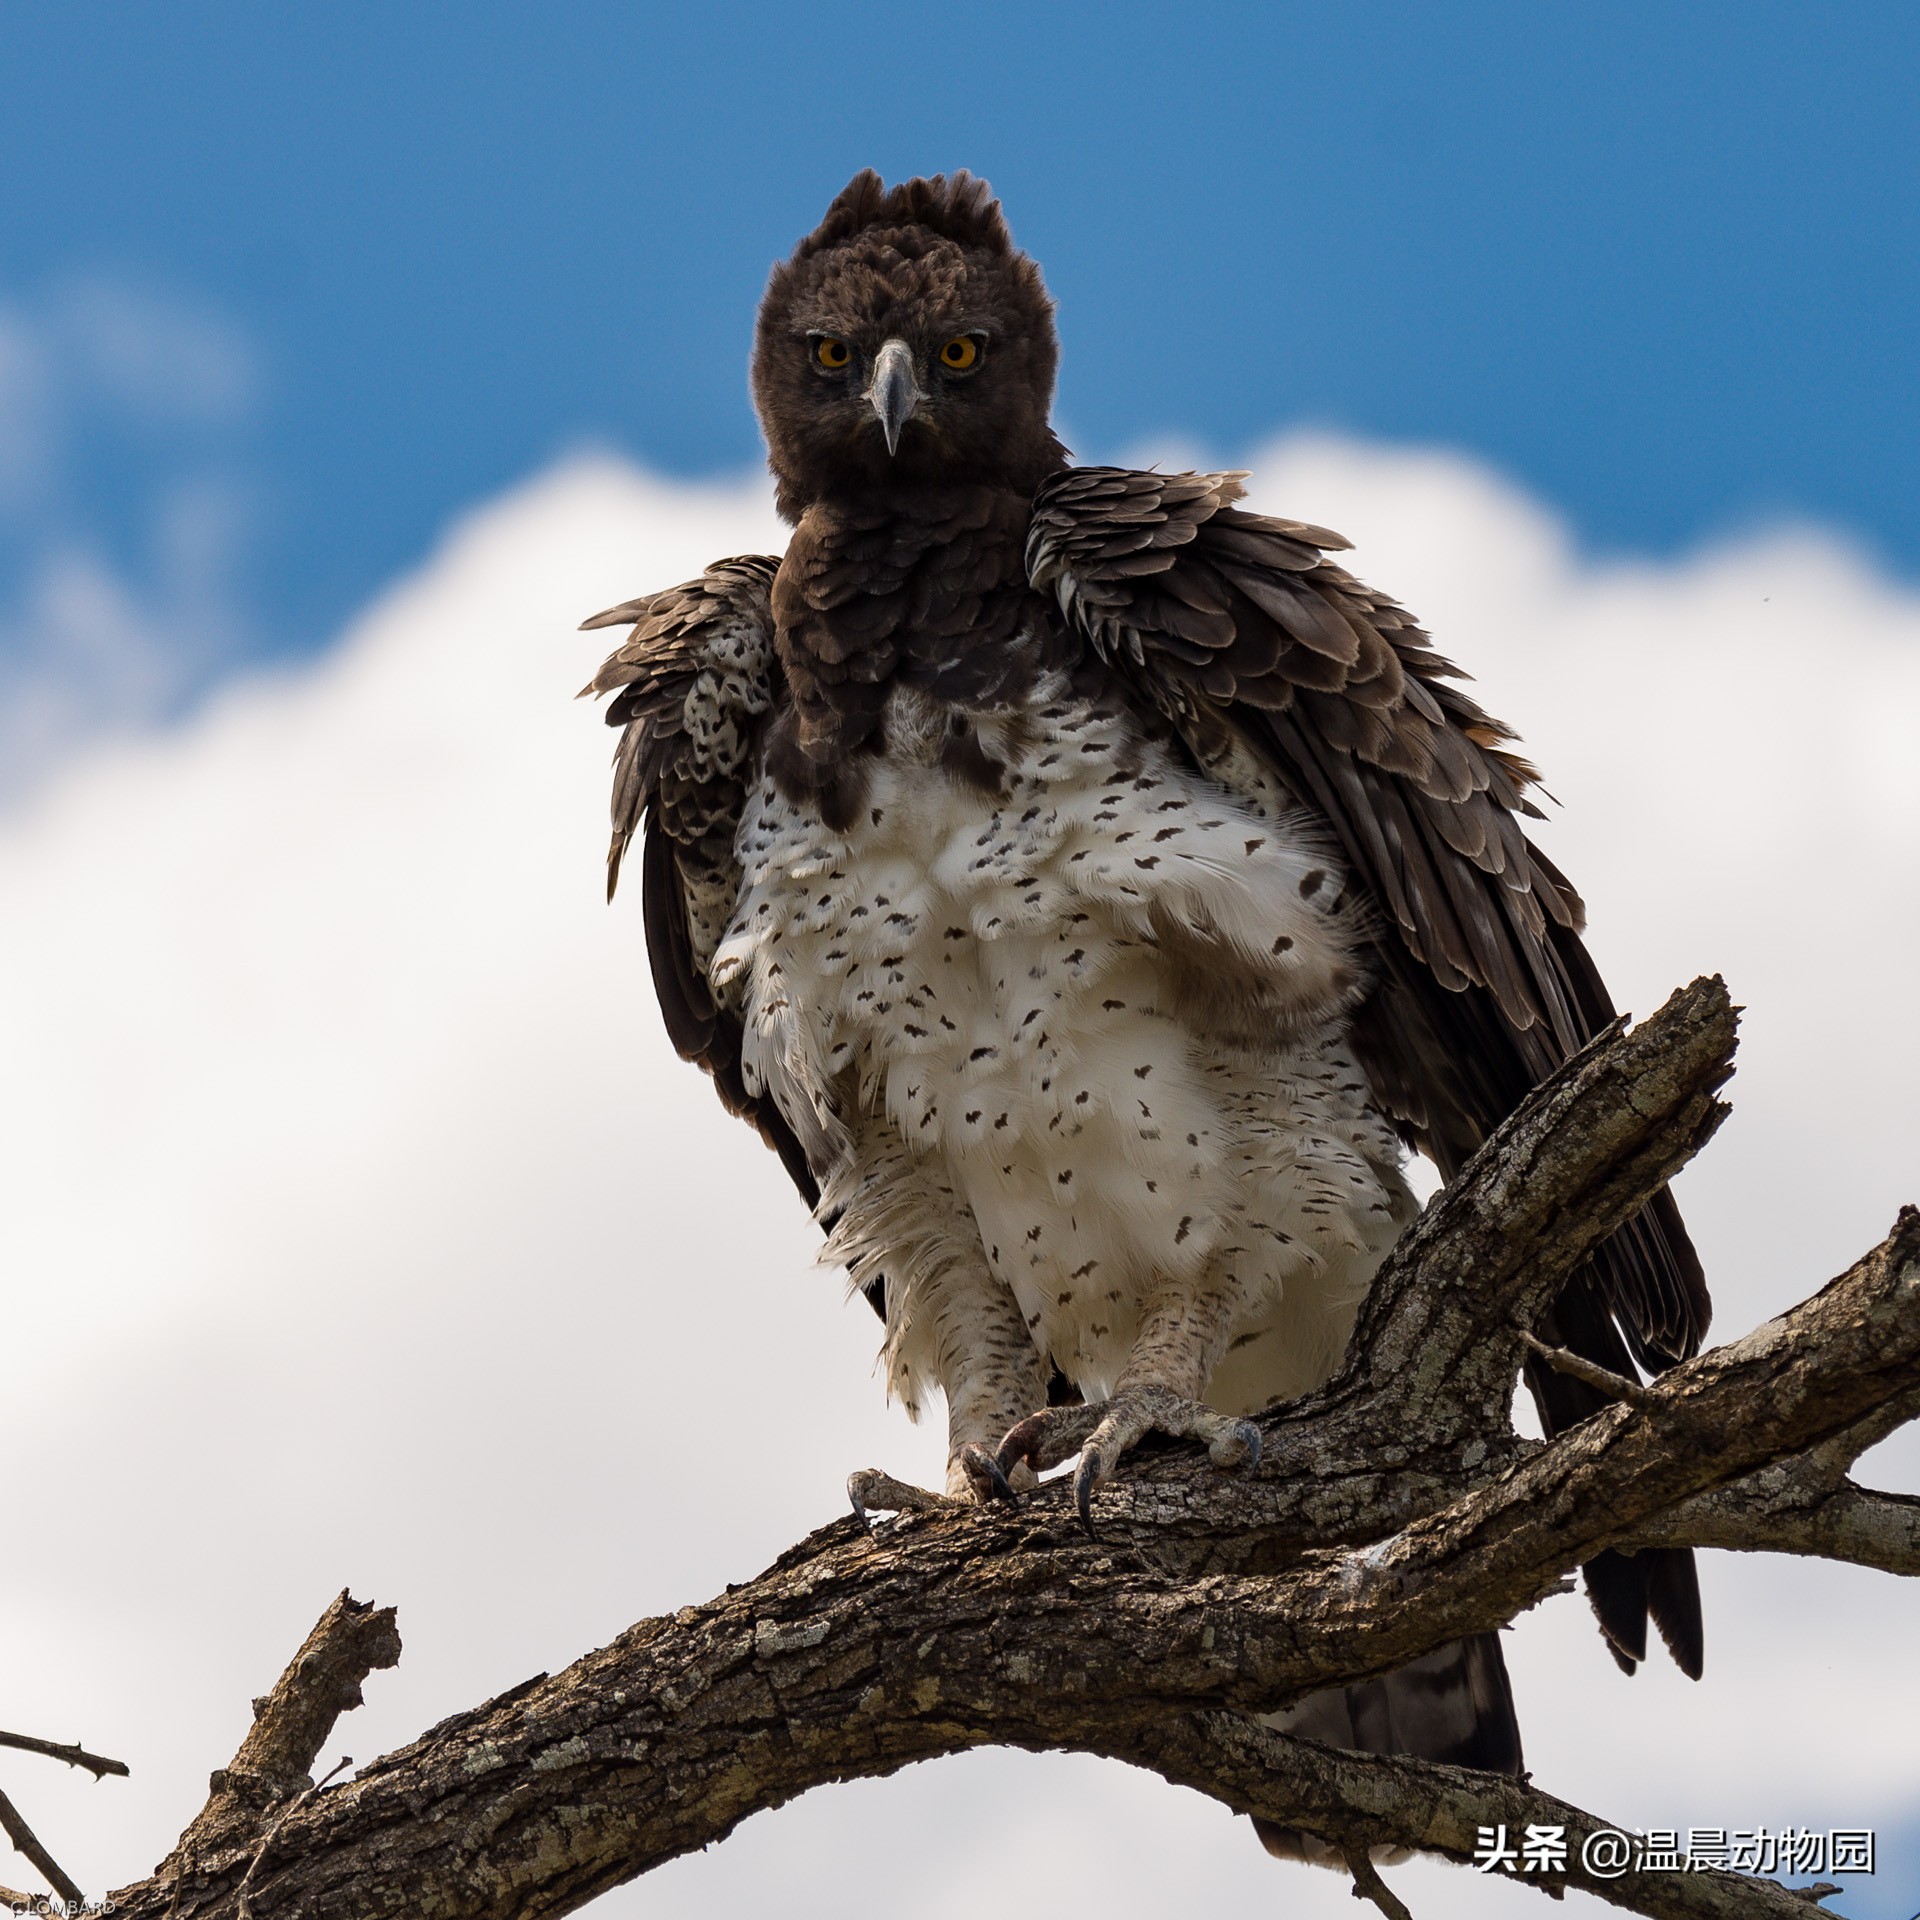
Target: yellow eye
x,y
961,353
831,353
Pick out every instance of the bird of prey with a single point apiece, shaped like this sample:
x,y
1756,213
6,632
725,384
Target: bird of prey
x,y
1092,890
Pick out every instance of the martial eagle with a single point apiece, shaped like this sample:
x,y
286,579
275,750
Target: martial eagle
x,y
1092,891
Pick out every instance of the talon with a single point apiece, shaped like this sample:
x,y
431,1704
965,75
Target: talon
x,y
983,1469
1242,1439
1103,1432
1083,1479
1046,1438
858,1505
873,1488
1021,1447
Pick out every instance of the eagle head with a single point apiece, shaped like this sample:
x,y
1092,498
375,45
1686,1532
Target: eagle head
x,y
906,342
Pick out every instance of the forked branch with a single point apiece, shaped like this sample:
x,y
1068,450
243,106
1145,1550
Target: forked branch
x,y
1393,1511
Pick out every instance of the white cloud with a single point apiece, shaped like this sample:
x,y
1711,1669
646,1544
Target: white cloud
x,y
360,1226
103,634
25,393
172,361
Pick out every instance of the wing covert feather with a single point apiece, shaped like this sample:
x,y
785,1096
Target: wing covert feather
x,y
691,687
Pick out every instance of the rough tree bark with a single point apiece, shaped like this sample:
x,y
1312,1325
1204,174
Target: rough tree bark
x,y
1394,1510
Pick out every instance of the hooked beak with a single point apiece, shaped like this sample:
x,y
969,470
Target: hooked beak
x,y
895,392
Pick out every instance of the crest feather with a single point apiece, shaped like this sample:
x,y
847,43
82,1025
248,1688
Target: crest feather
x,y
957,206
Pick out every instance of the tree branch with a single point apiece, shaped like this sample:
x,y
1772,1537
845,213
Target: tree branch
x,y
1367,1885
95,1764
1856,1524
1361,1801
25,1842
22,1836
1440,1335
1615,1386
1807,1505
1393,1511
290,1725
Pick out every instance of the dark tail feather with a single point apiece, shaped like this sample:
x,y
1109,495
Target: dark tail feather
x,y
1624,1589
1641,1291
1452,1705
1617,1592
1673,1598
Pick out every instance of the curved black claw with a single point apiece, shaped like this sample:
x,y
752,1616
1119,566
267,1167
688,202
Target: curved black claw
x,y
1105,1430
1084,1476
1046,1438
989,1477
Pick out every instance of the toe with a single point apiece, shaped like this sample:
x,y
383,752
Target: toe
x,y
862,1493
1022,1443
1102,1433
1044,1439
986,1477
871,1490
1098,1458
1236,1444
1083,1478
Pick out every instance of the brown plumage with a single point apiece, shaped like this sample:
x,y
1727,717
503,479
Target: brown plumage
x,y
972,642
904,564
696,669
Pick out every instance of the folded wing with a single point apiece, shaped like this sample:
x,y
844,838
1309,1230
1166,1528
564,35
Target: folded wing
x,y
692,686
1273,662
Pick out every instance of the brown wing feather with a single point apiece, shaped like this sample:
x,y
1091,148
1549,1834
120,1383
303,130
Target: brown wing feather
x,y
1237,625
691,686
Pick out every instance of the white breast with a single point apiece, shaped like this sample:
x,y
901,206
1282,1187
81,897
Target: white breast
x,y
1109,1006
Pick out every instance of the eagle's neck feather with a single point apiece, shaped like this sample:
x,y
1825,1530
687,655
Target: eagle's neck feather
x,y
923,587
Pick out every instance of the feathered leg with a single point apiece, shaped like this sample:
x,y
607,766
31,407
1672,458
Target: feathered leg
x,y
990,1372
1183,1334
951,1323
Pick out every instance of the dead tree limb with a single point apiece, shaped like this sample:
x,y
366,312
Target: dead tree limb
x,y
1393,1511
26,1842
96,1764
248,1798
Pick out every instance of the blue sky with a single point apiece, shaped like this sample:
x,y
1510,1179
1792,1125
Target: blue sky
x,y
1661,265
